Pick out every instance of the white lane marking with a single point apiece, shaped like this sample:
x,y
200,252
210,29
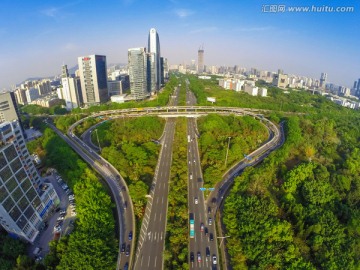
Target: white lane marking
x,y
149,261
160,216
155,261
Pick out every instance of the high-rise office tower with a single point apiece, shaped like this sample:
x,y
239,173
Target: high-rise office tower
x,y
9,110
162,70
93,78
138,64
201,60
154,48
323,78
151,73
70,91
22,205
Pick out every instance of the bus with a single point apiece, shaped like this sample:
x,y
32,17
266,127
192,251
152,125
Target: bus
x,y
192,226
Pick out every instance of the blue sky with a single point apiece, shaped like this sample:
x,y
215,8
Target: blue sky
x,y
37,37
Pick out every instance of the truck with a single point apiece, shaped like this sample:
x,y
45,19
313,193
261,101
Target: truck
x,y
189,139
37,251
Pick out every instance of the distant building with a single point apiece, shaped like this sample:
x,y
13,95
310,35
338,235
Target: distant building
x,y
251,90
8,108
93,78
201,60
70,91
119,86
280,80
137,64
22,206
32,94
154,57
262,92
20,95
48,101
323,79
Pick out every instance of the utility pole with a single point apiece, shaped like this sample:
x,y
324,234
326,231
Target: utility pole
x,y
227,151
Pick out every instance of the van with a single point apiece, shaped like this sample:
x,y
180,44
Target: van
x,y
37,251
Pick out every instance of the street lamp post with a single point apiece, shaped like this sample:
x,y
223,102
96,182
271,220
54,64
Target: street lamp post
x,y
227,151
97,136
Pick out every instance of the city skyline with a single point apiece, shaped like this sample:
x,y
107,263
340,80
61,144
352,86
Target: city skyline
x,y
244,34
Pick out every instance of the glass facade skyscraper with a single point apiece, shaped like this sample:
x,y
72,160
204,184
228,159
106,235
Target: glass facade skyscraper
x,y
138,72
154,50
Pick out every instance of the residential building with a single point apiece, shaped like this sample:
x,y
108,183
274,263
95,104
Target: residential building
x,y
262,92
70,91
280,80
8,107
32,94
20,95
323,79
23,206
93,79
250,89
137,64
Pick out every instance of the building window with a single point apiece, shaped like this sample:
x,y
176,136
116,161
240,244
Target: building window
x,y
26,184
23,203
3,194
11,184
15,213
3,161
29,212
21,175
10,153
21,222
15,165
8,204
5,173
17,194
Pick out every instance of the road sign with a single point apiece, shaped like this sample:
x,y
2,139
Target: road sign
x,y
202,189
211,189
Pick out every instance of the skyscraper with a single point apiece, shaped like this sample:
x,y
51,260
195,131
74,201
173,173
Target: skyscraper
x,y
70,91
154,48
201,60
22,207
138,72
93,78
323,79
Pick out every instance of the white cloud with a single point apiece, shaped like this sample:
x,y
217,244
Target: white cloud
x,y
50,12
254,29
204,30
183,13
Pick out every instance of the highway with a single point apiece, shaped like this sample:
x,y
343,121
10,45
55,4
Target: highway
x,y
151,244
110,177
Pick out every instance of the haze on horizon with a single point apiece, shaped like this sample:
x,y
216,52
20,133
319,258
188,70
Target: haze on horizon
x,y
38,37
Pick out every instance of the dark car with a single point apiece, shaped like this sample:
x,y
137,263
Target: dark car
x,y
192,256
211,237
123,188
127,252
207,251
123,246
209,210
126,266
206,231
130,235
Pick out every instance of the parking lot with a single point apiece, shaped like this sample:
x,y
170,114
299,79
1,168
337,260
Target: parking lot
x,y
60,222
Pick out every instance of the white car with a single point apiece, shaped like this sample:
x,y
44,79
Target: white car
x,y
196,200
214,260
191,177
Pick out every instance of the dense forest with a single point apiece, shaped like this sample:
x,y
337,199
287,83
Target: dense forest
x,y
130,145
93,244
299,209
245,133
176,247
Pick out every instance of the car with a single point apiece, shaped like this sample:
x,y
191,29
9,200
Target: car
x,y
199,257
207,251
71,197
192,256
214,259
196,201
209,210
60,218
202,227
211,237
123,188
194,161
191,177
210,221
127,252
123,246
125,204
62,212
126,266
57,228
58,223
206,231
72,201
38,259
130,235
68,191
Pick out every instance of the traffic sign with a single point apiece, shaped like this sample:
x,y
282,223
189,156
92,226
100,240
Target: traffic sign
x,y
211,189
202,189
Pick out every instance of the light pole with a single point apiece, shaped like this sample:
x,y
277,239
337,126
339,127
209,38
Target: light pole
x,y
227,151
222,239
97,136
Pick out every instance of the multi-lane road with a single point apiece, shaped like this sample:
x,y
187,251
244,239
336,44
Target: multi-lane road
x,y
150,247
